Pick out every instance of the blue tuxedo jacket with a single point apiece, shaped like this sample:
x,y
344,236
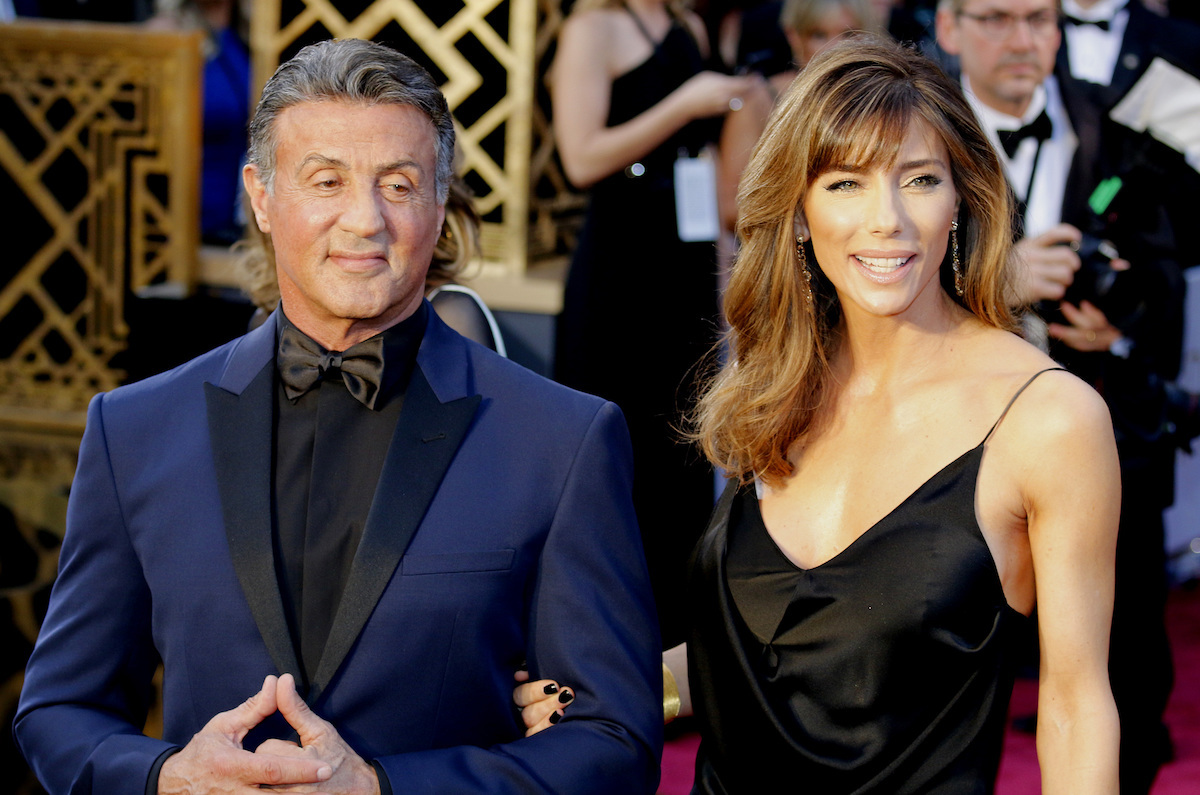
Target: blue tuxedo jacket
x,y
501,530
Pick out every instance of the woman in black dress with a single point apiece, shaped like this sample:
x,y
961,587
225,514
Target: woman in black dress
x,y
631,99
907,476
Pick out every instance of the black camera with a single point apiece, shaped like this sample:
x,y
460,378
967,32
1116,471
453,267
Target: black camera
x,y
1096,274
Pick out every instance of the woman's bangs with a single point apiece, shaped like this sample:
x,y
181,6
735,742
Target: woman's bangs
x,y
864,135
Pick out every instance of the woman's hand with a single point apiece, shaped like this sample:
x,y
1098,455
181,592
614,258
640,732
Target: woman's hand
x,y
542,703
714,94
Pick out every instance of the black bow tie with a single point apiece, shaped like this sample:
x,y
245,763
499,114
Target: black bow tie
x,y
1039,129
302,362
1103,24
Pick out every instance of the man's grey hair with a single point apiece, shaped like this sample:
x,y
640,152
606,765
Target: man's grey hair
x,y
350,70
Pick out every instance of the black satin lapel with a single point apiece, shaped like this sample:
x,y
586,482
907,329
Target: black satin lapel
x,y
239,427
428,434
1134,56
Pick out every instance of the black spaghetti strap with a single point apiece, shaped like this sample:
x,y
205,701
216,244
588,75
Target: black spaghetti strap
x,y
1004,413
641,26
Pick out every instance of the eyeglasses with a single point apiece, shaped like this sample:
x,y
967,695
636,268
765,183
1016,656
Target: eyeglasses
x,y
1000,25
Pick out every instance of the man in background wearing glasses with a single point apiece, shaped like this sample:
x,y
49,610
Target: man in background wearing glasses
x,y
1087,188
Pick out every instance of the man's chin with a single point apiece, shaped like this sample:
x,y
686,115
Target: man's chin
x,y
1018,92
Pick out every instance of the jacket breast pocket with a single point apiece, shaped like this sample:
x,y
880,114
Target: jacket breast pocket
x,y
457,562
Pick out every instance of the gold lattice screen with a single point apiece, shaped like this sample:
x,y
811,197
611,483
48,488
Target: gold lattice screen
x,y
99,142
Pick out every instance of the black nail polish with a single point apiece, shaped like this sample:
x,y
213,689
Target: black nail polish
x,y
524,666
566,697
550,689
555,717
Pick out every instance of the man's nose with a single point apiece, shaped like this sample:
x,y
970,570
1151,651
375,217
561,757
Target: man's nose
x,y
362,214
1022,34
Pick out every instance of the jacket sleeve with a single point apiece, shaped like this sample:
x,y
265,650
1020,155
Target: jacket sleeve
x,y
88,684
591,625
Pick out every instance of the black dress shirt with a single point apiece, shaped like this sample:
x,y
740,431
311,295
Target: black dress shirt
x,y
329,452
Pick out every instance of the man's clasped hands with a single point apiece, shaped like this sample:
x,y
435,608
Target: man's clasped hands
x,y
320,762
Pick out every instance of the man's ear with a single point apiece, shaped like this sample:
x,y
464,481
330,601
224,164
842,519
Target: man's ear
x,y
260,198
946,26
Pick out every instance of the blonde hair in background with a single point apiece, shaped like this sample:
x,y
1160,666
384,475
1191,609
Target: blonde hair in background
x,y
802,16
853,104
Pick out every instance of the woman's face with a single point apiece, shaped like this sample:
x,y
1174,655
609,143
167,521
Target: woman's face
x,y
880,234
836,21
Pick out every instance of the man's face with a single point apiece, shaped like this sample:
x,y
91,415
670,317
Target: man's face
x,y
836,21
1007,48
353,215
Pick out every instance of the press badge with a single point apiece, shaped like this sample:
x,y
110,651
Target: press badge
x,y
696,216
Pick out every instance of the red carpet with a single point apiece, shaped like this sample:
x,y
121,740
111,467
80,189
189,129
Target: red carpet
x,y
1019,768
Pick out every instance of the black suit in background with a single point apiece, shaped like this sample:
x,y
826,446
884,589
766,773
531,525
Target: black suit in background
x,y
1144,221
1147,36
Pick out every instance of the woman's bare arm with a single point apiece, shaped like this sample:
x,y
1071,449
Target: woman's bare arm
x,y
1071,485
581,87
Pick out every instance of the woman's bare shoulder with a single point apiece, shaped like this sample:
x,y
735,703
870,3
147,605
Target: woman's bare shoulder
x,y
591,23
1049,412
607,36
1050,404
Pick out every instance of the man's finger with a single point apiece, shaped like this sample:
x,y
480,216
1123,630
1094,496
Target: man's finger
x,y
274,747
1071,313
236,722
1059,234
1092,313
296,712
275,770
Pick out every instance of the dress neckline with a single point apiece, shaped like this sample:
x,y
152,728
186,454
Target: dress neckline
x,y
871,530
656,48
977,451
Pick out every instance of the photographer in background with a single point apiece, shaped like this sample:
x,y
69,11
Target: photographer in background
x,y
1086,189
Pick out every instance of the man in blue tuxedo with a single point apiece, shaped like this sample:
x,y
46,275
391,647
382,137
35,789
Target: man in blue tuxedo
x,y
352,510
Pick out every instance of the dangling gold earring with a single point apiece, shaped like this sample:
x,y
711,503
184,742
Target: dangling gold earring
x,y
954,263
803,259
